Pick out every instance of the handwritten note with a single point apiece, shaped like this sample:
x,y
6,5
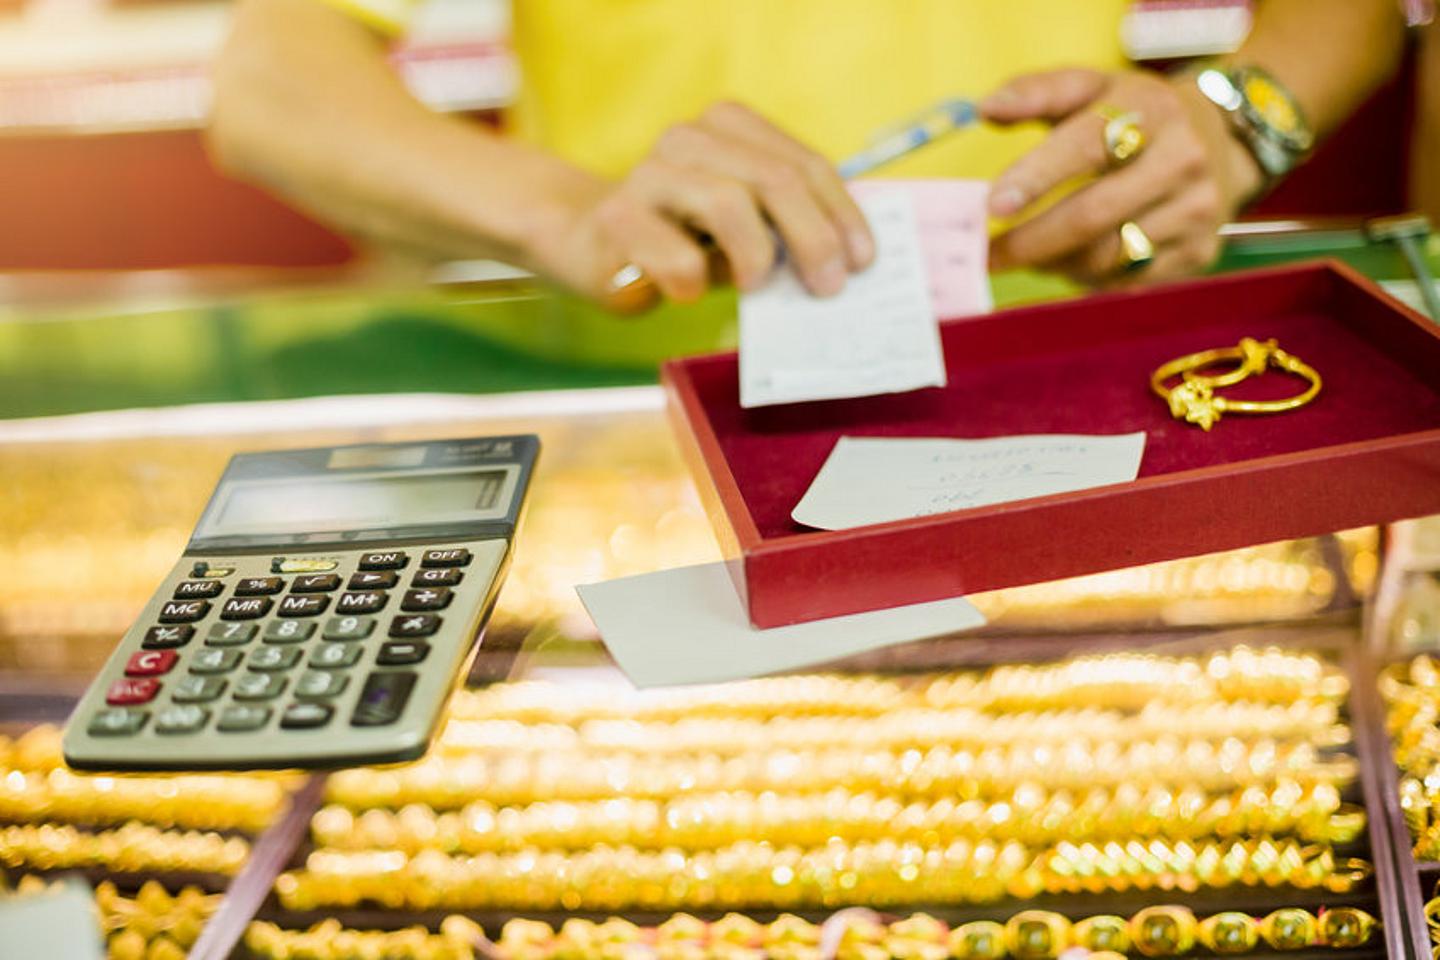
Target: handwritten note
x,y
878,336
951,216
876,480
687,625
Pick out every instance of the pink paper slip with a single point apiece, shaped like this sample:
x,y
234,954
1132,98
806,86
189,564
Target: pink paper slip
x,y
952,221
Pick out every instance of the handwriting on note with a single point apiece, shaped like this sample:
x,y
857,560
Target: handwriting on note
x,y
880,479
877,336
951,217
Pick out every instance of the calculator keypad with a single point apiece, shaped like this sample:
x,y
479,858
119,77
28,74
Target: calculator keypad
x,y
280,650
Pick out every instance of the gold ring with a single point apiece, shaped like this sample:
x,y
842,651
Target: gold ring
x,y
1230,932
1135,247
1432,914
1123,137
1288,928
978,940
1194,399
1346,927
1037,935
1163,931
1348,875
1102,933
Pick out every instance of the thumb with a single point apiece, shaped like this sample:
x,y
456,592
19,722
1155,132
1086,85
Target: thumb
x,y
1049,96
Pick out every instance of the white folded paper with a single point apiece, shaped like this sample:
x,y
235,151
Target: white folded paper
x,y
869,480
687,625
877,336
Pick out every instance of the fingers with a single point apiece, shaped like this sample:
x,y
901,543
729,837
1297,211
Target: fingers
x,y
1095,211
719,206
1185,222
812,237
634,233
1049,96
824,180
1075,148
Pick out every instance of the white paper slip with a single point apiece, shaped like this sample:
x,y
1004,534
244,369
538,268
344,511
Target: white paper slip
x,y
879,335
687,626
878,479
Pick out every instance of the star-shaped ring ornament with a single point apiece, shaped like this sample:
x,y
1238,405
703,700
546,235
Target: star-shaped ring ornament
x,y
1195,400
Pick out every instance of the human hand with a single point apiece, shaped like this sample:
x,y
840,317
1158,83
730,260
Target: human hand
x,y
729,176
1191,176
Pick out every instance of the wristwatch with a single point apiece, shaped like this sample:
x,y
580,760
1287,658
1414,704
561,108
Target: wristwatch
x,y
1263,114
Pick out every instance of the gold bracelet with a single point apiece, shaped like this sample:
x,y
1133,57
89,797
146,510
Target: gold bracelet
x,y
1194,399
133,848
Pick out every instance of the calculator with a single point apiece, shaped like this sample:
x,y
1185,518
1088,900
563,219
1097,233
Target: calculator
x,y
320,615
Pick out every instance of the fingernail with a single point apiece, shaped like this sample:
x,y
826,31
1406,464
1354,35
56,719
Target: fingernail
x,y
1007,201
999,100
862,248
829,279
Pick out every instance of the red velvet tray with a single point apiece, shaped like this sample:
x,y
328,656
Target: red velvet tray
x,y
1366,451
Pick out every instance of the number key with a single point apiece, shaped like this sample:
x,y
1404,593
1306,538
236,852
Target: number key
x,y
334,656
117,723
184,611
288,631
181,719
349,628
210,660
305,714
259,686
273,659
238,718
320,683
229,634
197,689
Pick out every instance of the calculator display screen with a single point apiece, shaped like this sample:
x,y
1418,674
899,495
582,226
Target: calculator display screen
x,y
351,503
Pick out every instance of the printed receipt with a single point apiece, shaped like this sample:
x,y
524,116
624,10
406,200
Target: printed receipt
x,y
880,479
877,336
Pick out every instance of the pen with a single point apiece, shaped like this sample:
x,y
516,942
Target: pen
x,y
631,289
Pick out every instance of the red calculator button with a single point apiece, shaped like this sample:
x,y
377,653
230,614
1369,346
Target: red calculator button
x,y
124,692
150,663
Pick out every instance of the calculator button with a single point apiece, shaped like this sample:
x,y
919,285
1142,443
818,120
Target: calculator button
x,y
399,653
304,715
211,660
117,723
259,686
349,628
436,577
164,638
426,598
453,557
150,663
124,692
320,683
184,611
198,589
300,606
415,625
373,580
288,631
333,656
181,719
258,586
273,659
238,718
383,698
197,689
229,634
368,601
388,560
316,583
249,608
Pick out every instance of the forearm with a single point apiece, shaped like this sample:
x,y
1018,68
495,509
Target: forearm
x,y
306,105
1330,54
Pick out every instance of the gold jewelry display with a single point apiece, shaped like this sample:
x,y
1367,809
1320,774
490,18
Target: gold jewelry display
x,y
1194,399
133,848
883,874
1038,935
152,925
1137,251
1122,134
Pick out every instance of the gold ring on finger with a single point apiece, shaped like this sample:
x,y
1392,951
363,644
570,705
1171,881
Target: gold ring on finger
x,y
1135,247
1123,137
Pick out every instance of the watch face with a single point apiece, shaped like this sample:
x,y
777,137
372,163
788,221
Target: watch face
x,y
1271,106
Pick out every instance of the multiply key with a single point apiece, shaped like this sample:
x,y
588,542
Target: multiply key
x,y
414,625
184,611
